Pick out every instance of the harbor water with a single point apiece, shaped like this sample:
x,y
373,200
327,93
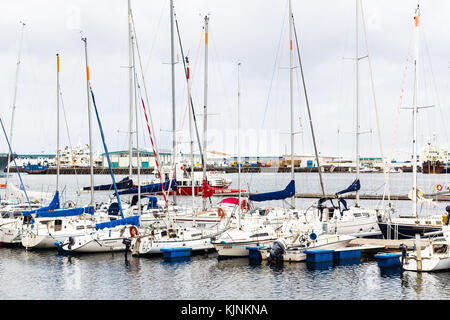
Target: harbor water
x,y
48,275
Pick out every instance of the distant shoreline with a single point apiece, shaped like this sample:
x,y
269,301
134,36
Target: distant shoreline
x,y
103,170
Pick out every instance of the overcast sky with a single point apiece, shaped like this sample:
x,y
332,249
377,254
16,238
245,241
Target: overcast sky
x,y
254,33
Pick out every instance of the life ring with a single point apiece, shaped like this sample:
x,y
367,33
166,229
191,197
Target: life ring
x,y
439,187
221,213
134,231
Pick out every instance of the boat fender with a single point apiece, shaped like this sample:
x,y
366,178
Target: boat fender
x,y
134,231
403,248
244,205
221,213
445,219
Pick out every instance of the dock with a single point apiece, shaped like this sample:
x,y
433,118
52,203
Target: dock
x,y
387,244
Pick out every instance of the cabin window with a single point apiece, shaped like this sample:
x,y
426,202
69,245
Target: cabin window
x,y
58,225
440,248
265,234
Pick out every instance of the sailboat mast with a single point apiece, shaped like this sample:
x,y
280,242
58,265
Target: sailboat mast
x,y
238,138
291,60
172,52
309,111
130,67
138,155
19,56
91,162
191,142
57,122
357,132
415,108
205,113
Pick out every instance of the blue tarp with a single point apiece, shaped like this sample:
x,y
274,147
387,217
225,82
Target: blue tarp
x,y
288,192
54,204
152,188
355,186
64,212
119,222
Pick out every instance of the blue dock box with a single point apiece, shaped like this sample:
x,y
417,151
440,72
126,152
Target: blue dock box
x,y
253,252
178,252
320,255
346,254
388,260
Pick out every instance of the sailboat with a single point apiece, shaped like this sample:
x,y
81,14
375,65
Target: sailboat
x,y
52,224
435,256
107,236
407,226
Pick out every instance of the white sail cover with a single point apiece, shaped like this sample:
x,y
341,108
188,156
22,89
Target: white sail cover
x,y
14,193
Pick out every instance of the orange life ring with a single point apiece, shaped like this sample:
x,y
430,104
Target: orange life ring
x,y
133,231
439,187
221,213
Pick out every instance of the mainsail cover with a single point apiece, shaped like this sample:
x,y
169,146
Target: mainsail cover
x,y
60,212
288,192
125,183
152,188
134,220
355,186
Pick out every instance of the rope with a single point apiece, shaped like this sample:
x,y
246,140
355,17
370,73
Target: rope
x,y
154,149
271,82
397,120
373,91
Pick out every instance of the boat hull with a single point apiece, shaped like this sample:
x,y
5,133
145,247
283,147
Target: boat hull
x,y
144,247
296,254
238,248
428,264
405,231
432,167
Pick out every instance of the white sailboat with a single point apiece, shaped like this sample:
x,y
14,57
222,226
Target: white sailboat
x,y
293,251
407,226
434,257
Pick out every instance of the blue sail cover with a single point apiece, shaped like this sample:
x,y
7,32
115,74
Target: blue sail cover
x,y
134,220
355,186
152,188
61,212
288,192
54,205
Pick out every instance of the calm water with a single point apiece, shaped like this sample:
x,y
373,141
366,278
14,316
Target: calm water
x,y
47,275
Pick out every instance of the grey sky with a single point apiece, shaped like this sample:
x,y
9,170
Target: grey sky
x,y
240,31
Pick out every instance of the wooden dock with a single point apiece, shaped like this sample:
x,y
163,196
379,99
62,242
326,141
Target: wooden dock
x,y
384,244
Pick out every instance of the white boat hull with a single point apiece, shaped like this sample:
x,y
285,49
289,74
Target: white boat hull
x,y
296,254
428,264
238,249
153,247
88,244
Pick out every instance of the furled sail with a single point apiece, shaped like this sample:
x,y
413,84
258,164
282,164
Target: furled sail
x,y
19,194
288,192
125,183
134,220
355,186
152,188
60,212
